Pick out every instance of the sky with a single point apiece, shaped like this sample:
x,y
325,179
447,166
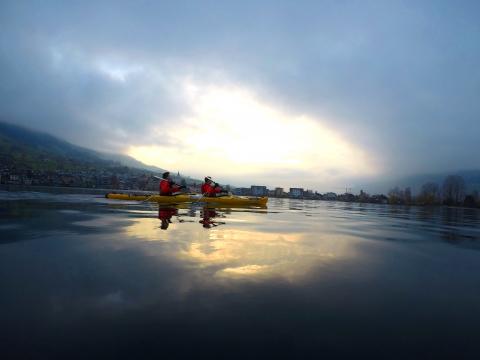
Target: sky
x,y
316,94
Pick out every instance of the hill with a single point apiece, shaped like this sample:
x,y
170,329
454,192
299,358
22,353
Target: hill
x,y
30,157
27,149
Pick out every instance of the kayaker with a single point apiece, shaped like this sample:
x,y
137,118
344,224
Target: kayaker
x,y
168,186
211,189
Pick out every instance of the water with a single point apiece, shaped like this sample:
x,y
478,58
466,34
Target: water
x,y
82,276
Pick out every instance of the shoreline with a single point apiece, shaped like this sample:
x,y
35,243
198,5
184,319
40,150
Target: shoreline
x,y
103,191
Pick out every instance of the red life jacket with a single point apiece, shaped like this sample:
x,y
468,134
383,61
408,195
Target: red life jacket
x,y
208,190
166,189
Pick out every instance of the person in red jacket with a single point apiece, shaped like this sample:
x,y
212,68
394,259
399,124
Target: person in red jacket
x,y
167,186
207,188
210,188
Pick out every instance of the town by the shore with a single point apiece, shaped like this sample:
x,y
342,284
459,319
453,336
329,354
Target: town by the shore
x,y
452,192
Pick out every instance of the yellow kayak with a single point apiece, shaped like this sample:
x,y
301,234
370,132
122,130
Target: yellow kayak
x,y
181,198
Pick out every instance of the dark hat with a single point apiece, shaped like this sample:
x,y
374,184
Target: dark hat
x,y
165,174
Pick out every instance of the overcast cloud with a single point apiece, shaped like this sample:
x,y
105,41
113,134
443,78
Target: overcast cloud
x,y
398,79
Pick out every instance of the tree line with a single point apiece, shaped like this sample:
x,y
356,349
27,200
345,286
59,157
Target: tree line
x,y
451,192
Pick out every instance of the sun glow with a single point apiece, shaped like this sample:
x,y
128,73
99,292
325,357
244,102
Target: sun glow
x,y
231,128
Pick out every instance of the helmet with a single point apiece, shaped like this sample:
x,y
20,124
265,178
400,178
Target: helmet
x,y
208,179
165,175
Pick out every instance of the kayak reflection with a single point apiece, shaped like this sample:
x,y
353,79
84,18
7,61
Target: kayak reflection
x,y
208,216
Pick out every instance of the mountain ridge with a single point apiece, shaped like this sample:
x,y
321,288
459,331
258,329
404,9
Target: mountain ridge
x,y
30,148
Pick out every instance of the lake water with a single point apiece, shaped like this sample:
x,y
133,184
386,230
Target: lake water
x,y
82,276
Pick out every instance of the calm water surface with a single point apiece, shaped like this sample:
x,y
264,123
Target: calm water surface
x,y
83,276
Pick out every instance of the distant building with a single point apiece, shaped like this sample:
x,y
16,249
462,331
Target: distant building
x,y
296,192
241,191
256,190
278,192
347,197
14,179
330,196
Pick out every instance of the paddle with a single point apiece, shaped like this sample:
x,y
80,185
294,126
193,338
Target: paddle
x,y
148,198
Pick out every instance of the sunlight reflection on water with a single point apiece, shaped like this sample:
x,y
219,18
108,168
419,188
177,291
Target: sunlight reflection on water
x,y
249,243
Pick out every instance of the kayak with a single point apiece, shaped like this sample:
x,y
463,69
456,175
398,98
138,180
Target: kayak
x,y
182,198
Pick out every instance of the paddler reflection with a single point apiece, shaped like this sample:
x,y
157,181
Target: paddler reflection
x,y
165,215
208,216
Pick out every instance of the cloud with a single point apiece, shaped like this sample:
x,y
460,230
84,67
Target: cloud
x,y
396,79
92,99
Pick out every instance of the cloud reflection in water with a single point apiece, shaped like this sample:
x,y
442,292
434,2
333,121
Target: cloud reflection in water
x,y
245,247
